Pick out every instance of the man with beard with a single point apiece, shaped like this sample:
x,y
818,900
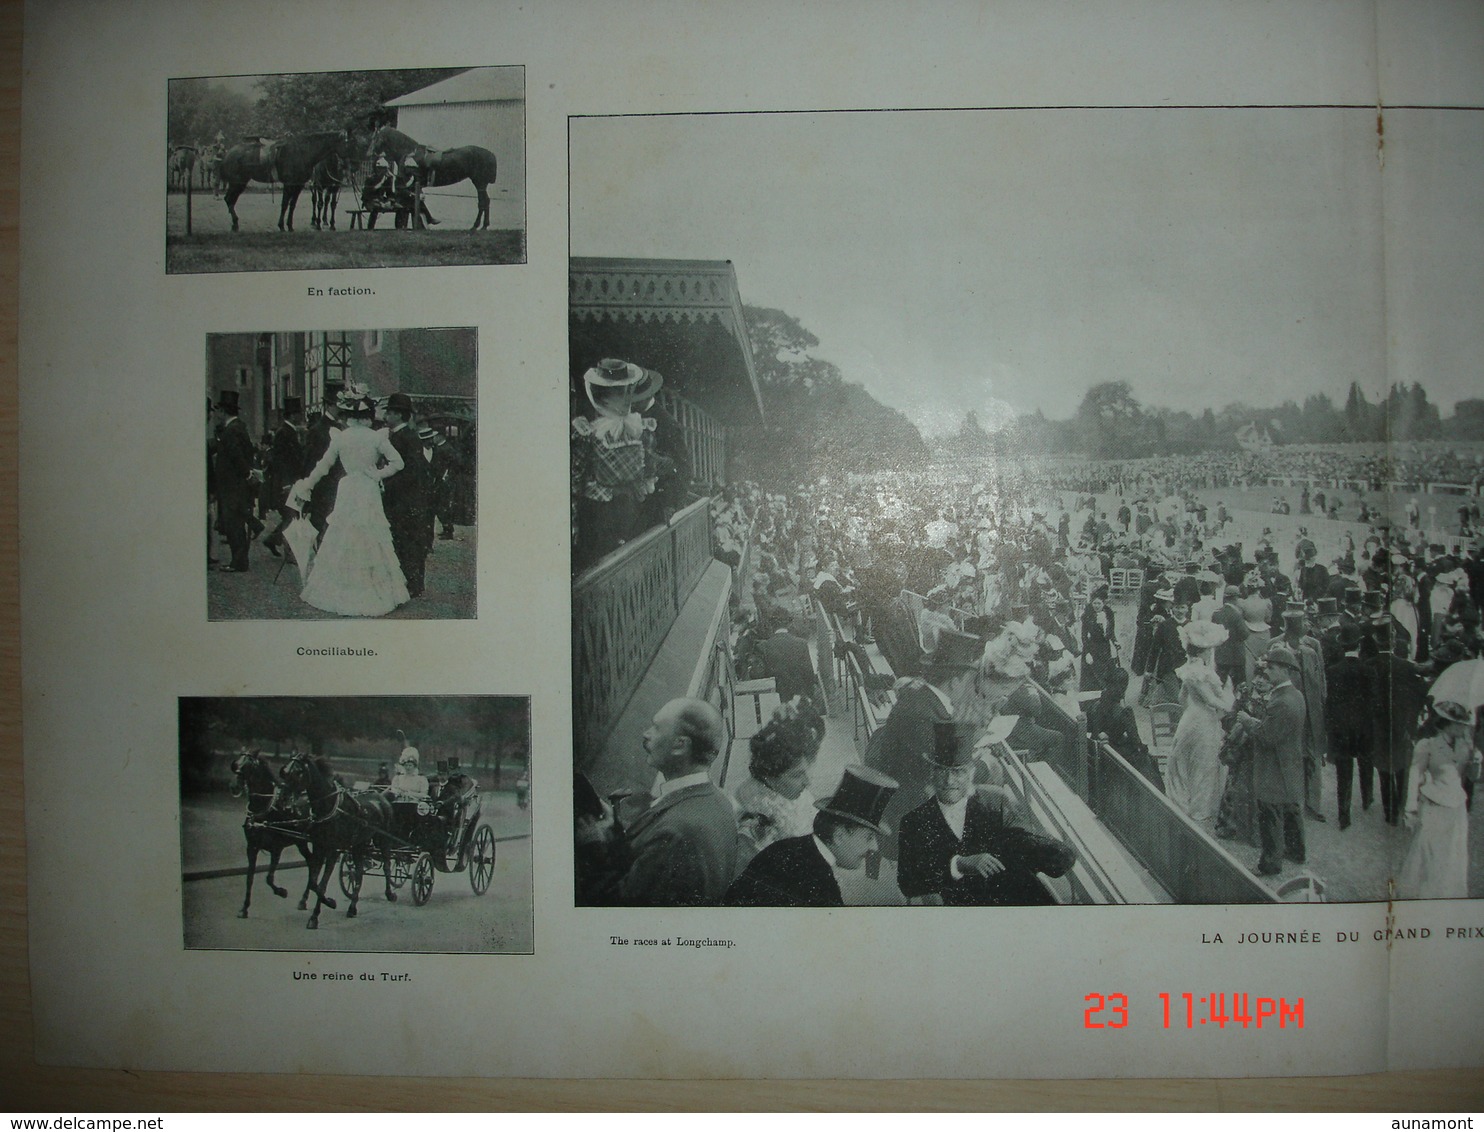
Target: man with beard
x,y
681,849
970,847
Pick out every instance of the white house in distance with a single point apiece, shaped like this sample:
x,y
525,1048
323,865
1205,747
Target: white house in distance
x,y
485,106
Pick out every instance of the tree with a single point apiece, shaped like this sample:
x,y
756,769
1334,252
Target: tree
x,y
333,100
1111,422
818,422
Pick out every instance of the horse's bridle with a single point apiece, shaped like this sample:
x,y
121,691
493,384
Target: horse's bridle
x,y
336,791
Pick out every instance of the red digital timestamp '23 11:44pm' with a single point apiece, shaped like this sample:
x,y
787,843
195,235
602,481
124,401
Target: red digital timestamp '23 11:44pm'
x,y
1189,1011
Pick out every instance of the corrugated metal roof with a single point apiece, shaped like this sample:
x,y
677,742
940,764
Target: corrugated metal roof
x,y
482,84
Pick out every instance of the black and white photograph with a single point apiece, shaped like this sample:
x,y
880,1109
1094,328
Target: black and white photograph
x,y
356,823
340,474
1014,507
346,169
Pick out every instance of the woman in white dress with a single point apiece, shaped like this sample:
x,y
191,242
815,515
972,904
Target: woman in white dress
x,y
1193,773
1437,865
355,571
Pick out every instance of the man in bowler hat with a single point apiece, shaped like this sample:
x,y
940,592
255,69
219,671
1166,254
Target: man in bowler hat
x,y
1278,764
406,496
970,847
799,872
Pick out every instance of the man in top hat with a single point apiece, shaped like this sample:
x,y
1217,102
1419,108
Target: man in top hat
x,y
284,468
1278,764
970,847
439,454
799,872
236,481
681,849
1350,713
1401,692
406,495
1309,680
897,747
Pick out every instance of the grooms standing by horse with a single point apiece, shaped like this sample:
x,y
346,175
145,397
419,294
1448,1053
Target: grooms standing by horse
x,y
406,497
440,167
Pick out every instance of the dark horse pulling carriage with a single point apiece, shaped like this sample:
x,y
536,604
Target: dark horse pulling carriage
x,y
374,831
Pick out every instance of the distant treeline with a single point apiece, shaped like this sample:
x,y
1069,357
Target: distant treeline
x,y
1112,424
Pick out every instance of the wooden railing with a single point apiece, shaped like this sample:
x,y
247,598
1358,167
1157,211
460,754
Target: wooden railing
x,y
1192,868
622,607
1186,861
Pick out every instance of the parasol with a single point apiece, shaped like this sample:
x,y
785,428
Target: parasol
x,y
1461,683
299,536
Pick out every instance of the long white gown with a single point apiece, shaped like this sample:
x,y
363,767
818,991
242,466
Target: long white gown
x,y
1193,773
355,571
1437,863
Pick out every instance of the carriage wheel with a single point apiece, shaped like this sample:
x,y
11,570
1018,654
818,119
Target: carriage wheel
x,y
422,879
351,875
482,860
401,870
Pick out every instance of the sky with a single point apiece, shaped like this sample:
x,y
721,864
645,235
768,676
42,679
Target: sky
x,y
1005,261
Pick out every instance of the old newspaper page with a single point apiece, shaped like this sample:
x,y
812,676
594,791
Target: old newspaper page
x,y
995,594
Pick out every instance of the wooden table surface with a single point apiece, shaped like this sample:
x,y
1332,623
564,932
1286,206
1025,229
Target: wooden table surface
x,y
24,1085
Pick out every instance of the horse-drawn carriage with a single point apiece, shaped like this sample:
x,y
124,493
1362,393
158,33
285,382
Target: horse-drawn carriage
x,y
369,829
441,833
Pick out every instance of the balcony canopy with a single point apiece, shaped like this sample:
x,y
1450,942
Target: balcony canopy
x,y
678,316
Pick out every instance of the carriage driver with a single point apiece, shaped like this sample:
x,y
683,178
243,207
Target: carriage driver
x,y
408,783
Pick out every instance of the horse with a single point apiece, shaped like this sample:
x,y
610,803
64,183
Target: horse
x,y
182,161
272,824
325,180
340,822
289,161
470,163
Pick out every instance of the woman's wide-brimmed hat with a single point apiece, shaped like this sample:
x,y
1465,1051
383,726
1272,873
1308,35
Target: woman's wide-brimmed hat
x,y
861,797
1454,713
638,383
1204,634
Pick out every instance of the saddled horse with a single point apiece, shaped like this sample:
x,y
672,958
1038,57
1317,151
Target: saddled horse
x,y
470,163
289,161
325,180
340,822
272,824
